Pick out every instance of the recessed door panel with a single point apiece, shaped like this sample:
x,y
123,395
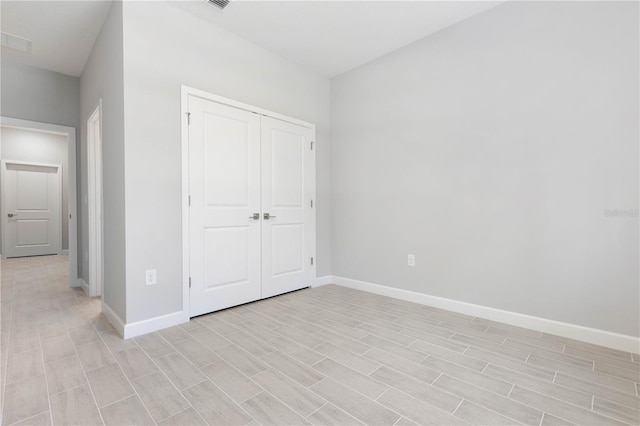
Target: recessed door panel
x,y
32,232
32,190
226,161
287,168
227,254
287,246
32,208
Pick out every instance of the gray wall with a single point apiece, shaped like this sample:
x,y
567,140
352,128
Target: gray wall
x,y
40,147
103,78
39,95
490,150
161,53
35,94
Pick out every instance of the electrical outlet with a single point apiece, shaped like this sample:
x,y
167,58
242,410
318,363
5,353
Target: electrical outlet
x,y
411,260
151,277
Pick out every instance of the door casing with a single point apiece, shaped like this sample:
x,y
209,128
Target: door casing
x,y
187,91
94,175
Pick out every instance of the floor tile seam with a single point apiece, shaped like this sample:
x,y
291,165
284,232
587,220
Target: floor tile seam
x,y
135,392
320,408
85,344
564,402
374,401
250,378
46,379
212,330
159,370
284,403
354,371
206,377
600,385
626,422
86,378
635,369
28,418
221,390
394,411
588,371
569,356
6,362
425,402
600,354
340,362
186,409
560,386
481,388
426,355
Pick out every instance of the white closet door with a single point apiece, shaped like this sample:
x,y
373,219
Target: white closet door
x,y
224,185
32,224
287,185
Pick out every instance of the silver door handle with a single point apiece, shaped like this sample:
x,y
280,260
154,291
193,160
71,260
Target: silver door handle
x,y
255,216
12,214
267,216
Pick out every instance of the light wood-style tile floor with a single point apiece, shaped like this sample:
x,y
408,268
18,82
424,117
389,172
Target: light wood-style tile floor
x,y
324,356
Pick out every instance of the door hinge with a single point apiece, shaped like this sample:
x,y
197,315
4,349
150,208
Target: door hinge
x,y
188,118
189,282
312,261
311,203
189,200
311,145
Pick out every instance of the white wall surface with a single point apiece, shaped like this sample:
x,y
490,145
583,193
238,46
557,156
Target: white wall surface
x,y
166,46
103,78
40,147
490,150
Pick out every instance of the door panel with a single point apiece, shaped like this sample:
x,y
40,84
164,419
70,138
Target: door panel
x,y
287,184
32,232
287,246
224,185
227,251
33,200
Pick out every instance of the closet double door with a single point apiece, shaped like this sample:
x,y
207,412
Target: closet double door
x,y
251,186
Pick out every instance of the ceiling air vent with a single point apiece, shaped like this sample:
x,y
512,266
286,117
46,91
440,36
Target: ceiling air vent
x,y
14,42
219,3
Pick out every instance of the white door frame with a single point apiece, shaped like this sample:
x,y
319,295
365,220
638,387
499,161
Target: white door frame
x,y
72,191
94,173
187,91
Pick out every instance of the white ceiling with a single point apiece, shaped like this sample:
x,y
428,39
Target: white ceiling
x,y
62,32
328,37
331,37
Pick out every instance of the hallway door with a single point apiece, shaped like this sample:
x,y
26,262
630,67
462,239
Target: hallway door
x,y
31,208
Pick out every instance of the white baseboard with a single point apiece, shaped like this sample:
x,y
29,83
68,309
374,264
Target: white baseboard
x,y
83,284
591,335
327,279
64,252
113,318
154,324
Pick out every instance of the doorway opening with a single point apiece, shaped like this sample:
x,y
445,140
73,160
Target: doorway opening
x,y
38,201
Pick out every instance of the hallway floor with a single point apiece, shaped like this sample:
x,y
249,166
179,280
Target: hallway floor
x,y
329,355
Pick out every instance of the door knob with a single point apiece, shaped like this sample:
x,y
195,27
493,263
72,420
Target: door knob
x,y
255,216
12,214
267,216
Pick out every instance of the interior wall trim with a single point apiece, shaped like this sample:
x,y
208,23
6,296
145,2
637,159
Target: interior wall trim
x,y
572,331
